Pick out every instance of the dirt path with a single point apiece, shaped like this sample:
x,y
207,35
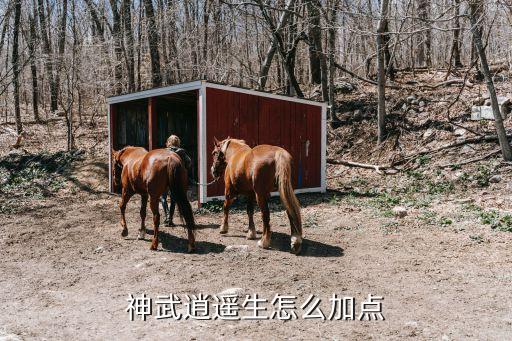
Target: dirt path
x,y
66,273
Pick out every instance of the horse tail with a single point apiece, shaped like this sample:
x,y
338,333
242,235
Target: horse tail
x,y
178,188
283,161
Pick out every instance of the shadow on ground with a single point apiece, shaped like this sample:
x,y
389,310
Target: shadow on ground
x,y
310,248
175,244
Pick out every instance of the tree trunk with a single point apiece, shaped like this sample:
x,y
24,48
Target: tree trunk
x,y
156,76
265,67
331,48
118,47
31,38
315,43
289,67
15,65
381,69
128,33
477,38
47,50
61,43
424,52
456,36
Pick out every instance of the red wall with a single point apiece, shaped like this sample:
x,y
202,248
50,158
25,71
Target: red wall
x,y
263,120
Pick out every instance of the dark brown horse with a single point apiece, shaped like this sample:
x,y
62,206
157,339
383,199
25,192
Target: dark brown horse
x,y
254,172
150,174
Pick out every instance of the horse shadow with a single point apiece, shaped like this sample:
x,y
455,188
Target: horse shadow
x,y
310,248
176,244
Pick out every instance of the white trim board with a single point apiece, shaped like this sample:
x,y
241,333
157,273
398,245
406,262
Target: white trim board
x,y
172,89
275,194
323,150
202,167
110,187
195,85
264,94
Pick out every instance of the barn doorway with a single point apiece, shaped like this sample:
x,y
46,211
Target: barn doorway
x,y
177,114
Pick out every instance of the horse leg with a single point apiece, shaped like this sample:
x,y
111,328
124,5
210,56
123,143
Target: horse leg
x,y
265,212
251,233
143,209
125,197
171,212
163,200
227,202
153,204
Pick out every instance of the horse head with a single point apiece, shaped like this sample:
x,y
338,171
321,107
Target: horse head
x,y
117,166
219,157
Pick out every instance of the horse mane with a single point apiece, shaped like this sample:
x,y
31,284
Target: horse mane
x,y
237,141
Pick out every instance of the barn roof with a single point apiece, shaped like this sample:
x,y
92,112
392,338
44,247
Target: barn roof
x,y
198,84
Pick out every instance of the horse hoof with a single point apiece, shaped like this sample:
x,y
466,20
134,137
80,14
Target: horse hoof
x,y
296,248
223,230
141,235
191,249
251,234
124,233
170,224
296,245
263,244
153,247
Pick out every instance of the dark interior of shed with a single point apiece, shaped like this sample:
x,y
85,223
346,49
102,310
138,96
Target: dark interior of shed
x,y
177,114
174,114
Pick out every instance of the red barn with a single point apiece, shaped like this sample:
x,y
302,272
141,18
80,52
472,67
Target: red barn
x,y
199,111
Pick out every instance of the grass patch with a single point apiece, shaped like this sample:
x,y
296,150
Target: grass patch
x,y
33,176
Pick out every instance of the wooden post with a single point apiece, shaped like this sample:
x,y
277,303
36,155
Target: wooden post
x,y
152,124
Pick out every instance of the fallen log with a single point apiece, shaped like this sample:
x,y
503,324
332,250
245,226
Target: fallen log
x,y
476,159
380,169
448,83
485,138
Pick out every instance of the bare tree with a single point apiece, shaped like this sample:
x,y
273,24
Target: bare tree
x,y
381,67
156,76
15,65
479,46
31,39
48,54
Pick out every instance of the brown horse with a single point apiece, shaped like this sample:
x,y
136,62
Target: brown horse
x,y
254,172
150,174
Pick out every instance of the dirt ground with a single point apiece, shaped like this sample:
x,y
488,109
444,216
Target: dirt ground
x,y
444,270
67,272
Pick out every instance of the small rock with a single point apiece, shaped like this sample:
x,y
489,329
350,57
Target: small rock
x,y
495,179
344,87
465,200
410,98
428,133
459,132
231,291
99,249
399,211
422,104
415,102
479,101
237,248
467,150
445,337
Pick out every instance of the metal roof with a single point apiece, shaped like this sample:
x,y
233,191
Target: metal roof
x,y
198,84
